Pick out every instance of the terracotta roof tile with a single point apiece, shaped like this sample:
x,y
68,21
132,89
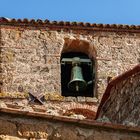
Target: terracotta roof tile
x,y
46,22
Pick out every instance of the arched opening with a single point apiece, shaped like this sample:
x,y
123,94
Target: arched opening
x,y
83,74
84,50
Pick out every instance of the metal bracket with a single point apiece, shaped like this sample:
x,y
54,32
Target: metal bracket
x,y
76,59
33,98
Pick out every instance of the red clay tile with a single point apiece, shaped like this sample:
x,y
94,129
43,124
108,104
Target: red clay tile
x,y
70,24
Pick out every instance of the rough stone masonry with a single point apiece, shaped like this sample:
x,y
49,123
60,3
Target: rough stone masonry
x,y
30,56
122,106
32,128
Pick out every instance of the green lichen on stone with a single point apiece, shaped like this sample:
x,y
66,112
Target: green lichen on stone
x,y
14,95
47,96
53,96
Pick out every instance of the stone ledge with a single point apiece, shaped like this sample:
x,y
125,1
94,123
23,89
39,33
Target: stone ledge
x,y
81,99
85,123
50,97
55,108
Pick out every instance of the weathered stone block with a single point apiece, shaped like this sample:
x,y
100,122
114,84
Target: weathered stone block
x,y
7,128
32,130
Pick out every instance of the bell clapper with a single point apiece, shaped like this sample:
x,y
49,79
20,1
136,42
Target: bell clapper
x,y
77,87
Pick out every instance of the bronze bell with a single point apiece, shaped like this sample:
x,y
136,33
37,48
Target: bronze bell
x,y
77,82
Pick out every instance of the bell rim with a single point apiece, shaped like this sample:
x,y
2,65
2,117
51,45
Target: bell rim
x,y
76,81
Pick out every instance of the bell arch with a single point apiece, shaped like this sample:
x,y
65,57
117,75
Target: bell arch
x,y
78,68
77,45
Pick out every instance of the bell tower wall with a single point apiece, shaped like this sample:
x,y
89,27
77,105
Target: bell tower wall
x,y
30,57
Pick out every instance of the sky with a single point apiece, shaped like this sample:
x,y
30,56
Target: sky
x,y
93,11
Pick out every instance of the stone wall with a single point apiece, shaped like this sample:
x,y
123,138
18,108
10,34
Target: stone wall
x,y
122,106
30,57
16,127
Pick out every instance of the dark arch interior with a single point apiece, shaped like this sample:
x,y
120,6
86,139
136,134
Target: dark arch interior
x,y
87,72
